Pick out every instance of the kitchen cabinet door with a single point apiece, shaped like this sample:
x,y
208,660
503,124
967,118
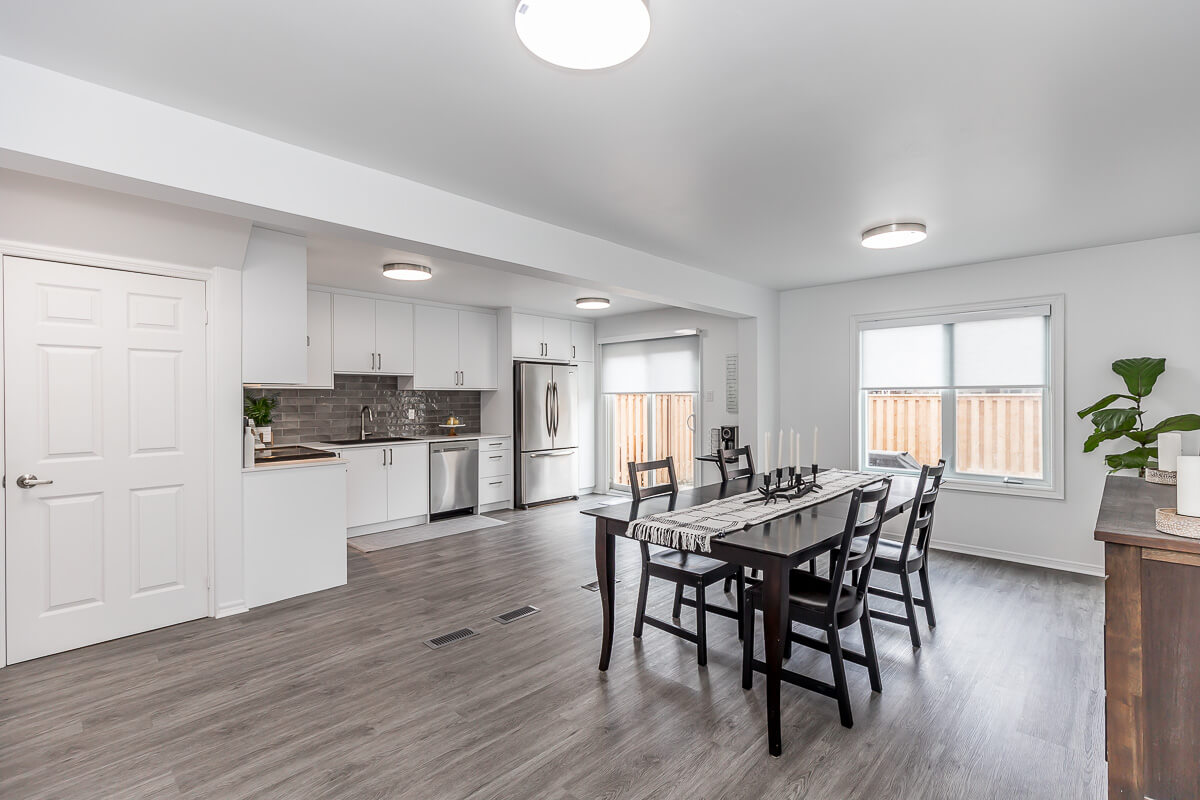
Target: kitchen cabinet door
x,y
320,341
394,337
583,341
274,284
477,350
408,481
527,336
353,333
366,485
585,404
557,335
435,357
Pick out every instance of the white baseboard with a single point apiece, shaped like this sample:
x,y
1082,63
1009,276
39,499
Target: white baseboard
x,y
1062,565
390,525
229,610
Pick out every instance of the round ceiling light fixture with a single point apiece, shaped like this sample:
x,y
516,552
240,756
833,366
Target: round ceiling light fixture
x,y
583,34
407,272
592,303
895,234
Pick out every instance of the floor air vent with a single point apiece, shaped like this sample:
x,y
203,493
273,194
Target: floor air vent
x,y
513,616
449,638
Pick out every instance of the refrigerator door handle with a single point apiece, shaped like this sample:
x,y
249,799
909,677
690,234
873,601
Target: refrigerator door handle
x,y
556,408
549,412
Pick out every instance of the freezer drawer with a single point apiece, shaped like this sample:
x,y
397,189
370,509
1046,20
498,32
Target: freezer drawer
x,y
549,475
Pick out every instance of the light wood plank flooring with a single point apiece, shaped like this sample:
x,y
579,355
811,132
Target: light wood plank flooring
x,y
333,695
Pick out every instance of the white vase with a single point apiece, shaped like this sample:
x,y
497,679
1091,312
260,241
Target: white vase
x,y
264,435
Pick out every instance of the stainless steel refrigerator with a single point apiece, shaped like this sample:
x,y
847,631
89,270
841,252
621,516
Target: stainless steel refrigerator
x,y
547,439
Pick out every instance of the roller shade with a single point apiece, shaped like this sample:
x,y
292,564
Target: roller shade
x,y
660,366
1003,348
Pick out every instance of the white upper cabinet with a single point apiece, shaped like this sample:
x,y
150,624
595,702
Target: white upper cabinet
x,y
275,308
527,339
320,341
436,361
372,336
393,337
557,335
583,341
477,350
549,338
455,350
353,333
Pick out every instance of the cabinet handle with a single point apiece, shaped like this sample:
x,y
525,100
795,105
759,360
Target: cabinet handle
x,y
372,362
495,483
391,456
384,452
495,457
572,351
381,361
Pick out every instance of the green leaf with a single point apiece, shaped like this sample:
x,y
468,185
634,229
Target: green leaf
x,y
1115,419
1104,403
1096,438
1139,373
1137,458
1180,422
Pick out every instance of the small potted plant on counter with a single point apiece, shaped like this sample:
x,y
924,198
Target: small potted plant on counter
x,y
1139,375
259,411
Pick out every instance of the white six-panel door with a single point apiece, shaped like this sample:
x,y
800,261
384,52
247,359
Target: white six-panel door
x,y
105,395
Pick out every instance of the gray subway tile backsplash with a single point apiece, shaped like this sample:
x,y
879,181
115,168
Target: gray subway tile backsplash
x,y
305,415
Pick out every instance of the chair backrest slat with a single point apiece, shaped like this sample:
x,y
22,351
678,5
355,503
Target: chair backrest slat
x,y
727,459
870,498
920,519
642,492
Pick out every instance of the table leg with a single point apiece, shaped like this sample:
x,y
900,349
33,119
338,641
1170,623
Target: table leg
x,y
775,613
606,556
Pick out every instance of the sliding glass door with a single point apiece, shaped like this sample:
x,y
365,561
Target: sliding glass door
x,y
650,388
647,427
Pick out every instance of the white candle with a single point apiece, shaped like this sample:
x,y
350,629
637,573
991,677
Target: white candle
x,y
791,447
815,445
1188,489
766,453
779,454
1170,447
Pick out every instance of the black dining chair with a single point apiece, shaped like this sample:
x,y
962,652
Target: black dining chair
x,y
682,569
829,604
728,461
911,555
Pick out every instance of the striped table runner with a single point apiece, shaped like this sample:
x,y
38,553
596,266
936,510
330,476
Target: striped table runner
x,y
693,529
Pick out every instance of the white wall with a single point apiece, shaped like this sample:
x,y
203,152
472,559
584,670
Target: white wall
x,y
719,338
1138,299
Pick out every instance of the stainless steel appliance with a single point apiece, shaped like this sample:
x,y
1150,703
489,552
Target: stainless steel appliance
x,y
547,431
453,477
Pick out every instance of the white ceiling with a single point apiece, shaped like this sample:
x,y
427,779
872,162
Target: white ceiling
x,y
347,264
752,139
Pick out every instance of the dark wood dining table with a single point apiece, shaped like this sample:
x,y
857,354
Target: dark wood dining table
x,y
775,547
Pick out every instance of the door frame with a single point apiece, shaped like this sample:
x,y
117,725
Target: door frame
x,y
96,261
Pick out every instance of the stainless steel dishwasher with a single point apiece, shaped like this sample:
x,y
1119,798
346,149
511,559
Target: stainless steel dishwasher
x,y
453,477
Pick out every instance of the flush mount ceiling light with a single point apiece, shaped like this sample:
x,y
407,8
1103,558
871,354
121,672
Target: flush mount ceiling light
x,y
896,234
407,272
583,34
592,303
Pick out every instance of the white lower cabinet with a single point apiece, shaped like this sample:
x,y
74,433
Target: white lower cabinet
x,y
386,483
495,473
294,538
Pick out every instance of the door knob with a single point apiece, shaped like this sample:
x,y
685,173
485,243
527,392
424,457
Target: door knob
x,y
28,481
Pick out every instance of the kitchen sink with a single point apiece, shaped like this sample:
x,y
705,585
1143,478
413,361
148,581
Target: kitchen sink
x,y
371,440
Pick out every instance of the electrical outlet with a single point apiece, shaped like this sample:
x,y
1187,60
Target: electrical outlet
x,y
411,413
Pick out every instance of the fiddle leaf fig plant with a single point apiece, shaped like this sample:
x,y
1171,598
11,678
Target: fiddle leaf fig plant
x,y
259,410
1140,375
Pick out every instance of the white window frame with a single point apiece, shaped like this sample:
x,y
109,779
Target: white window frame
x,y
1053,482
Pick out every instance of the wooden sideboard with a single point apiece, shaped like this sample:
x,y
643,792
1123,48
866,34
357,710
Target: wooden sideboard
x,y
1151,646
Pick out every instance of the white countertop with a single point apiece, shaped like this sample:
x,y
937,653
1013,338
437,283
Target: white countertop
x,y
414,440
311,462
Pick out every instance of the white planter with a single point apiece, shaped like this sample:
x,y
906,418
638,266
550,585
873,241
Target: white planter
x,y
264,435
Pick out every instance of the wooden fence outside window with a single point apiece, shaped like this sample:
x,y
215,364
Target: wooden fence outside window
x,y
641,431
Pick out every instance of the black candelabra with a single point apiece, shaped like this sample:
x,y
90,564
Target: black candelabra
x,y
786,483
